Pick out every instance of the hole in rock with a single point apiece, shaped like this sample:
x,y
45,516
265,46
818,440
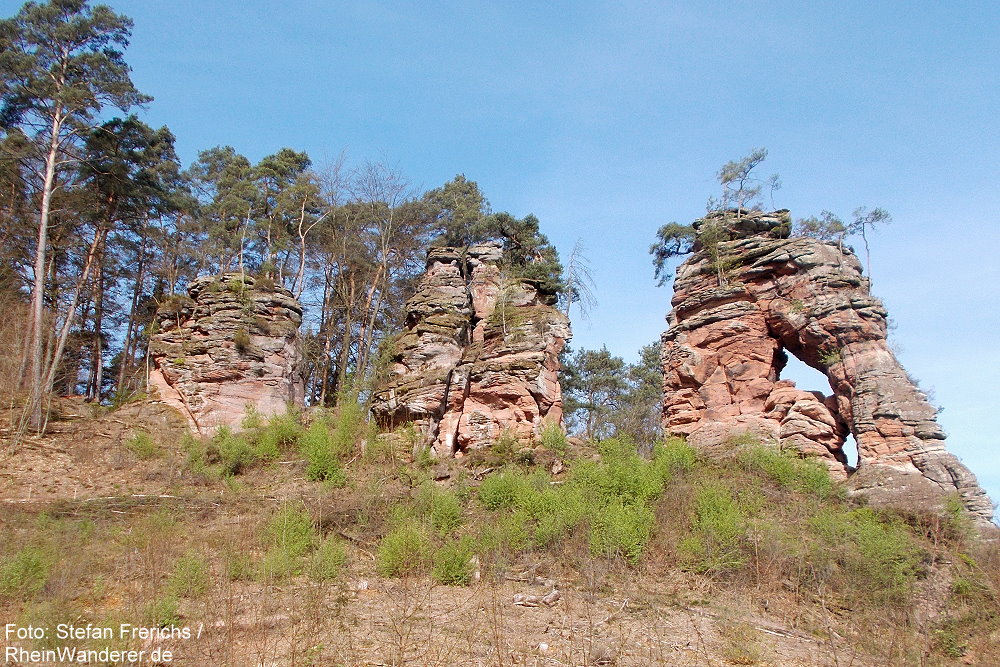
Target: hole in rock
x,y
808,378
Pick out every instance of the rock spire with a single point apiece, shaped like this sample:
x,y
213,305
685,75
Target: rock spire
x,y
230,344
479,355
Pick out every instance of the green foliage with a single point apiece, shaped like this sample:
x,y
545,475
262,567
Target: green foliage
x,y
350,426
614,497
827,227
328,560
829,357
554,438
281,432
440,507
502,490
288,537
718,524
241,340
672,240
453,562
163,612
26,572
869,554
142,445
622,529
231,451
407,549
190,577
594,384
791,472
322,462
675,455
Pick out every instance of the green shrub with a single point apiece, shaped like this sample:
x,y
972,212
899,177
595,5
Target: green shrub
x,y
442,508
26,572
190,577
620,474
506,534
789,471
163,612
322,463
506,445
621,529
241,340
328,560
871,557
240,566
232,451
554,438
501,490
453,563
675,455
717,526
142,445
405,550
282,431
288,536
350,427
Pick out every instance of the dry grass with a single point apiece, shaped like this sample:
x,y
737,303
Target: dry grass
x,y
776,580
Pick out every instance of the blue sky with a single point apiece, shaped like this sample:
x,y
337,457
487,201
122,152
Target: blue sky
x,y
607,119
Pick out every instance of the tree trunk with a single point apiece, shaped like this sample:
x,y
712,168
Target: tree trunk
x,y
37,303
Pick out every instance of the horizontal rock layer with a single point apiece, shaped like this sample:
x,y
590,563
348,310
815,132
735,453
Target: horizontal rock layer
x,y
478,357
740,306
231,344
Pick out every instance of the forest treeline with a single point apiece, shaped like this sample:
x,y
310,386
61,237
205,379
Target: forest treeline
x,y
100,223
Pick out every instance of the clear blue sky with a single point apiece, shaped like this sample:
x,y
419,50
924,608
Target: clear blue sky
x,y
607,119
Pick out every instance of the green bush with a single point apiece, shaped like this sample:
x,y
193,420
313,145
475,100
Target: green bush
x,y
328,560
717,526
281,431
789,471
322,463
163,612
505,534
675,455
442,508
142,445
502,490
453,563
190,577
869,556
288,536
621,474
26,572
407,549
232,451
350,427
614,496
554,438
621,529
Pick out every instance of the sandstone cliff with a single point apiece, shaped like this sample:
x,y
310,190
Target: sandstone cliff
x,y
479,355
231,343
741,303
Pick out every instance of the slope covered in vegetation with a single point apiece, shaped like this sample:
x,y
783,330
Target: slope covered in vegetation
x,y
314,538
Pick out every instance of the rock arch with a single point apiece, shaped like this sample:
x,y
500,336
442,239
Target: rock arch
x,y
724,350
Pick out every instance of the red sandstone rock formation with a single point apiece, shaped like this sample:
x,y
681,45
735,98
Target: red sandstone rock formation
x,y
479,355
232,343
725,348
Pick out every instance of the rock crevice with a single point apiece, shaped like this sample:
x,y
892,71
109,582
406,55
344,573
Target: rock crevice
x,y
725,348
478,356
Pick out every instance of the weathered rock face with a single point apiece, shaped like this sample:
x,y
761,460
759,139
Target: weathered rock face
x,y
231,343
725,348
479,355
